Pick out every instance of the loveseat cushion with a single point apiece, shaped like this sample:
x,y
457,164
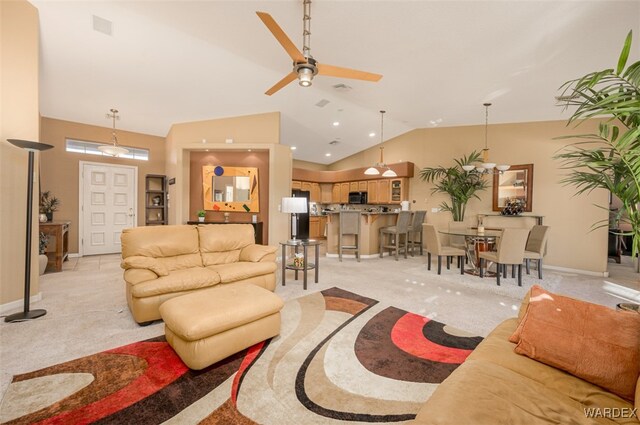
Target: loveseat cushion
x,y
255,253
177,281
497,349
221,243
480,392
148,263
242,270
176,247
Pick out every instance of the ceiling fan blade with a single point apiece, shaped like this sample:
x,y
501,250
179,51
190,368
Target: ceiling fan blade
x,y
354,74
282,38
280,84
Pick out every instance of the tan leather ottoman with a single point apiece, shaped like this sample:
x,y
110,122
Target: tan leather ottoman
x,y
209,325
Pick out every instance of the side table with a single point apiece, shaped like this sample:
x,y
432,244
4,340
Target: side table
x,y
306,265
60,231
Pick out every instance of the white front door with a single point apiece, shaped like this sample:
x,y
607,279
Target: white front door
x,y
108,205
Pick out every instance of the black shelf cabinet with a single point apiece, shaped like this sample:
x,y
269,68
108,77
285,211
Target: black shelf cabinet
x,y
155,200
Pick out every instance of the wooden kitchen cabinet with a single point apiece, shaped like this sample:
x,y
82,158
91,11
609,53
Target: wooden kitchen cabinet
x,y
372,191
399,190
306,186
362,186
384,191
314,227
296,185
315,192
335,193
344,193
353,186
323,225
326,195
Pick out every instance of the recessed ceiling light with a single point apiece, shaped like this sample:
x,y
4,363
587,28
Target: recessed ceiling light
x,y
372,134
293,148
204,140
248,150
327,154
336,123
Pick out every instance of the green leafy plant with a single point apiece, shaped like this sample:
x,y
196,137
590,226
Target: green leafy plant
x,y
201,213
610,158
460,185
48,203
44,241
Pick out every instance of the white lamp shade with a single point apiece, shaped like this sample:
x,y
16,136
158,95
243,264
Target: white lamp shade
x,y
294,205
389,173
488,165
372,171
503,167
468,167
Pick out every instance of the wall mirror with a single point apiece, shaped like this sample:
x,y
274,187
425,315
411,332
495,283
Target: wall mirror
x,y
230,188
514,184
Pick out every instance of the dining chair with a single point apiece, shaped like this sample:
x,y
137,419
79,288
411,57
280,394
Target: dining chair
x,y
536,247
457,241
349,225
435,247
416,231
399,232
510,250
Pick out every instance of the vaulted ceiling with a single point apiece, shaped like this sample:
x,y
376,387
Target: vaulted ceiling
x,y
176,61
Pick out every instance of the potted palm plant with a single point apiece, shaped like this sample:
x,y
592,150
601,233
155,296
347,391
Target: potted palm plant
x,y
610,158
459,184
48,204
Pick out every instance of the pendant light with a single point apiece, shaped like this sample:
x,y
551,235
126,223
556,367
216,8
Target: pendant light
x,y
373,171
486,166
113,149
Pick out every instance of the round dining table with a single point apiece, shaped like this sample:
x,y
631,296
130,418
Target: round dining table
x,y
475,243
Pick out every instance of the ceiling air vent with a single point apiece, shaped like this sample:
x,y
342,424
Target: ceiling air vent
x,y
322,103
342,87
102,25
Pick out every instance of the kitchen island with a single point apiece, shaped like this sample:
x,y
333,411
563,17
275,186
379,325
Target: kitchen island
x,y
370,224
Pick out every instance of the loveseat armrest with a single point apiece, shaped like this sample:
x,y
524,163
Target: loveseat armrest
x,y
257,253
135,276
144,263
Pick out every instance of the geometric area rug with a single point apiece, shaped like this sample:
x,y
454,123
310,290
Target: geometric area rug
x,y
340,358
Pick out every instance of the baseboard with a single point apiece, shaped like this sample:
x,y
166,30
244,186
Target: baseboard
x,y
364,256
621,291
74,255
577,271
13,305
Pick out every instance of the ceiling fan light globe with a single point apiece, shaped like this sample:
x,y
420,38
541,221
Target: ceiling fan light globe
x,y
372,171
305,75
488,165
503,167
468,168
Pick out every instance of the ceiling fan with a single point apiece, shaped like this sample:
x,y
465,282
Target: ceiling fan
x,y
305,67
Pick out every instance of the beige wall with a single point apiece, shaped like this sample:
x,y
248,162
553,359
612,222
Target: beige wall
x,y
61,169
309,165
572,244
19,119
261,131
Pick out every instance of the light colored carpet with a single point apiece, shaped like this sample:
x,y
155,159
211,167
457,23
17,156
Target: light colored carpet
x,y
87,310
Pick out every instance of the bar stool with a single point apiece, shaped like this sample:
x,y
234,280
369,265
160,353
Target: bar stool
x,y
398,231
349,225
415,230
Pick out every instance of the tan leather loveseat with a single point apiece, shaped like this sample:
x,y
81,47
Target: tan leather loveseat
x,y
497,386
163,262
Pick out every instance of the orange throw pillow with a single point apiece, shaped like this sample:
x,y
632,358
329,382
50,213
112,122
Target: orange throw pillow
x,y
590,341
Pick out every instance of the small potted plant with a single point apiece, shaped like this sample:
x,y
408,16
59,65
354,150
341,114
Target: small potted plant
x,y
201,215
42,249
48,204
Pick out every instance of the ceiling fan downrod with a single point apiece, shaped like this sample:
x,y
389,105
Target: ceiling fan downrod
x,y
306,29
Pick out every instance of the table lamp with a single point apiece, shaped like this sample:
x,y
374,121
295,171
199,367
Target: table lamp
x,y
294,206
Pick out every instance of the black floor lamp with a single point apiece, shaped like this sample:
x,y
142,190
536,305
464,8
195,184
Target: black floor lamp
x,y
26,314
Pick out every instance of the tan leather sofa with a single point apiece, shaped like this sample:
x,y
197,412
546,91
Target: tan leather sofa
x,y
163,262
497,386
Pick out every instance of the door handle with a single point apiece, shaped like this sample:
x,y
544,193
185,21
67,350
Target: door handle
x,y
130,212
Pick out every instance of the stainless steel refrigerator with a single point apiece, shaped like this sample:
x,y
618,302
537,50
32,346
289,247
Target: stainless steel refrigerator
x,y
303,218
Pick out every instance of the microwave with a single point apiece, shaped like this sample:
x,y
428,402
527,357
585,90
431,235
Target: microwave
x,y
357,197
